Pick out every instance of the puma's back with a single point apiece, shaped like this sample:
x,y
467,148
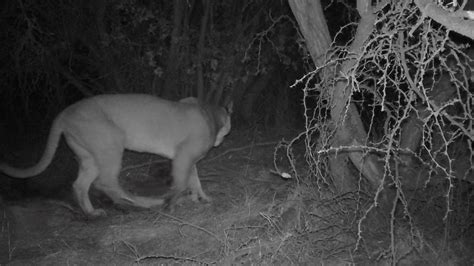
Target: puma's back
x,y
155,125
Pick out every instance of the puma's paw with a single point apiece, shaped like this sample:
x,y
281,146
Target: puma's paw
x,y
204,198
194,196
96,213
199,196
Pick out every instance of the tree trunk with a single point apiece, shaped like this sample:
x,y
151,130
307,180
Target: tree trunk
x,y
172,67
313,26
108,66
202,39
343,113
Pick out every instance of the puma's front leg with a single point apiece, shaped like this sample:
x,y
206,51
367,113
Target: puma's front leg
x,y
181,168
194,185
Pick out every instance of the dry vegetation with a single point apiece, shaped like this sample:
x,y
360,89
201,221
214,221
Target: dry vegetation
x,y
408,198
275,197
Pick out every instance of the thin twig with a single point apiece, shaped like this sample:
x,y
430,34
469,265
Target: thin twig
x,y
169,257
242,148
130,167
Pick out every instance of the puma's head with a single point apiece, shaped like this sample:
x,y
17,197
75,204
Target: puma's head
x,y
221,116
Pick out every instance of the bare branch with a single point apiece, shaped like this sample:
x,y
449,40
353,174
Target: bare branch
x,y
454,21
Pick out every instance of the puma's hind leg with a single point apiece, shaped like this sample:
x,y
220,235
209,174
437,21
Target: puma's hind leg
x,y
194,184
88,172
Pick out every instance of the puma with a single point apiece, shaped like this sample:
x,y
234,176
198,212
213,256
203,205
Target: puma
x,y
98,129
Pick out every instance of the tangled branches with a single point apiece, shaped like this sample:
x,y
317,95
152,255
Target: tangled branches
x,y
412,85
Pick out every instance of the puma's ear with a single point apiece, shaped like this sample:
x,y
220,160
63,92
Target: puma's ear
x,y
229,107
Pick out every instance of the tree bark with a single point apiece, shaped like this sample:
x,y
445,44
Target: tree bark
x,y
202,39
172,66
313,26
454,21
343,113
108,65
352,131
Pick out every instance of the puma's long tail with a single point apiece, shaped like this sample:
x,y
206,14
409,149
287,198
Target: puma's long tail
x,y
48,154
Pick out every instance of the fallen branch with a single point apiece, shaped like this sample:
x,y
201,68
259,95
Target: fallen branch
x,y
169,257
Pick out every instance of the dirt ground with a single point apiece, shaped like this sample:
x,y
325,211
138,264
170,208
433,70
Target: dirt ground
x,y
248,222
52,230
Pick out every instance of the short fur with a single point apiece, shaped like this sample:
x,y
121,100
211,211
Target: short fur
x,y
98,129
